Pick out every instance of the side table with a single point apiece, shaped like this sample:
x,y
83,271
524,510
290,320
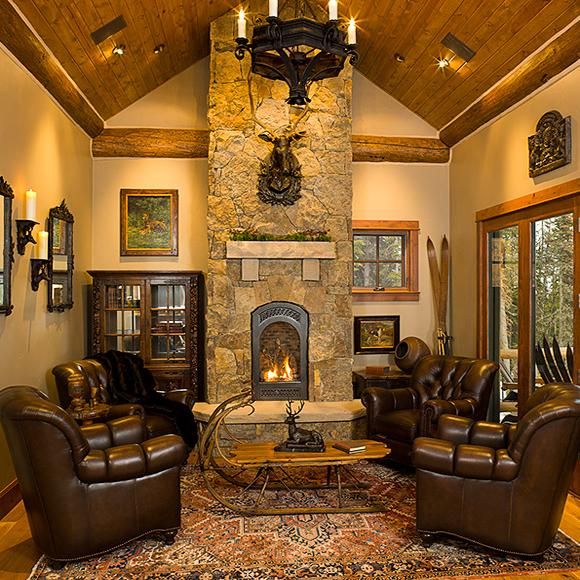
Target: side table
x,y
391,380
86,415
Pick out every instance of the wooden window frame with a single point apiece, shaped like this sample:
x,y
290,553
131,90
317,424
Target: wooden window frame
x,y
410,231
521,212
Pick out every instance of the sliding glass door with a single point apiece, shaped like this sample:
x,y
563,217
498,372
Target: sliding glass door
x,y
530,293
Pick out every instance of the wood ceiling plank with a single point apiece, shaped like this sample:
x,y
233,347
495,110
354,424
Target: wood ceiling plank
x,y
100,55
25,46
433,79
514,50
126,67
550,61
430,31
64,45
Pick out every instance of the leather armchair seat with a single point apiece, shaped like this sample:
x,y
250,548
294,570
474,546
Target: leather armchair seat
x,y
89,490
501,486
440,384
93,375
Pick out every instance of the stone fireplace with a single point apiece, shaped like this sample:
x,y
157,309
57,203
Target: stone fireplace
x,y
280,352
246,280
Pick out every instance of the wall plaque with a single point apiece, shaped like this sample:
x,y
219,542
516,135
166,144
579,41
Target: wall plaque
x,y
551,146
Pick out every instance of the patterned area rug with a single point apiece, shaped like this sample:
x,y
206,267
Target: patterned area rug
x,y
215,543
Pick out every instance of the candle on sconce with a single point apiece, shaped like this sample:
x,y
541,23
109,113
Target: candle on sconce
x,y
274,8
30,205
332,9
42,248
242,24
352,31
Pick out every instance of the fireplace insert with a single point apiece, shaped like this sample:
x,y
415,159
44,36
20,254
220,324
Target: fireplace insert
x,y
280,352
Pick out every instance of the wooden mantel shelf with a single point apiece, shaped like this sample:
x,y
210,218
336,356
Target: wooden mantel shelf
x,y
281,250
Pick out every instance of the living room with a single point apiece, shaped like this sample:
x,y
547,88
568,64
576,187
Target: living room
x,y
414,142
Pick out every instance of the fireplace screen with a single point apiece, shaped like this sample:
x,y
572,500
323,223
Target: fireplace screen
x,y
280,352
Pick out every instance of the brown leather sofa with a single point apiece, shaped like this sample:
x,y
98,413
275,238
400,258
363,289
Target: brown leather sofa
x,y
94,375
89,490
501,486
439,384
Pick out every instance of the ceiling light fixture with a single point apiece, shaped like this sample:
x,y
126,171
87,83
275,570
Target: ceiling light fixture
x,y
299,51
399,57
442,63
119,49
159,49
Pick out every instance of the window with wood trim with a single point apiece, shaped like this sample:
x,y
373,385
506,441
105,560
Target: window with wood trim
x,y
385,260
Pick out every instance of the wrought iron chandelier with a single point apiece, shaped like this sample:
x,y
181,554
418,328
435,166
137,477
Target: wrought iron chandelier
x,y
299,51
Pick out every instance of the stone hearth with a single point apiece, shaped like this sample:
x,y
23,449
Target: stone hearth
x,y
316,276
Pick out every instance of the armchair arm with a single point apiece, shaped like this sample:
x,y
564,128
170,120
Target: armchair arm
x,y
185,396
467,461
126,409
132,461
379,401
433,409
116,432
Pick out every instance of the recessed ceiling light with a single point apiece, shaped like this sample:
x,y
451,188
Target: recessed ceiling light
x,y
399,57
159,49
119,50
442,63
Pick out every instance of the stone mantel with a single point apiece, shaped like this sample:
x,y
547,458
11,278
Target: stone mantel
x,y
282,250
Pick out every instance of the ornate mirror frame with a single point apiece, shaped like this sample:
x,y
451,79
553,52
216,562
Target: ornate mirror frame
x,y
63,214
8,249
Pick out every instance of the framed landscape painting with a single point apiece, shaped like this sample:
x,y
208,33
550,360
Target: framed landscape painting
x,y
149,222
376,334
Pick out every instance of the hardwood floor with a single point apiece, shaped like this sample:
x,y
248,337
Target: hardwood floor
x,y
18,554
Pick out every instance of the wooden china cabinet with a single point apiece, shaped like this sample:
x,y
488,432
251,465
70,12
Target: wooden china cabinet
x,y
156,315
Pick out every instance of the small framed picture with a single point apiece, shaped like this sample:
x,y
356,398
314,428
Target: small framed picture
x,y
376,334
149,222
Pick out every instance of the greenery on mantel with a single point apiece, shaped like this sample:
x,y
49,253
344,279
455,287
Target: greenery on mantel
x,y
308,236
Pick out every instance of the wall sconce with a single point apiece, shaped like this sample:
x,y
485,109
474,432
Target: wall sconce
x,y
39,265
25,226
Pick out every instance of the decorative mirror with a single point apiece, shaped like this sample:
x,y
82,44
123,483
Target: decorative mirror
x,y
60,258
7,195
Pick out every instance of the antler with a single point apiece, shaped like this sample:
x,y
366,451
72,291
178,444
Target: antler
x,y
253,108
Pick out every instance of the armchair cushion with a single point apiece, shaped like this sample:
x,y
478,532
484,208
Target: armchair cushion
x,y
116,432
131,461
401,425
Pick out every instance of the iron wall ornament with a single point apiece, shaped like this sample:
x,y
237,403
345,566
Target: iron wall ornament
x,y
280,179
7,195
551,146
277,52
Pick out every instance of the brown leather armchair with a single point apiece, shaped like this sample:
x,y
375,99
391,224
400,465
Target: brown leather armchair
x,y
501,486
94,375
440,384
89,490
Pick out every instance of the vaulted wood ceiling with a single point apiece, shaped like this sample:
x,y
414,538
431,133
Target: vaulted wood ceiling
x,y
501,32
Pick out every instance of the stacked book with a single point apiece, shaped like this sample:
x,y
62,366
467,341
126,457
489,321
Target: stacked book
x,y
351,446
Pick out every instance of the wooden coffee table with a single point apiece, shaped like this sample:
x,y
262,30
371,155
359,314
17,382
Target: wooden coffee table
x,y
260,468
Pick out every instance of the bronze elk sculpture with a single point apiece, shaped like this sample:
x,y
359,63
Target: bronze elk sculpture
x,y
300,439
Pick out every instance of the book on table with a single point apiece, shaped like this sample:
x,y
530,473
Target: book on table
x,y
351,446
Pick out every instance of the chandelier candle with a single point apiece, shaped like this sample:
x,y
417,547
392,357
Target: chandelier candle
x,y
242,24
352,32
273,8
332,9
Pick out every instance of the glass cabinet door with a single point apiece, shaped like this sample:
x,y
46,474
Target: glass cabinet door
x,y
122,324
168,316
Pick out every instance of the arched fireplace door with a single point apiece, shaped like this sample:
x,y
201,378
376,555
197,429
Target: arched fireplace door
x,y
280,352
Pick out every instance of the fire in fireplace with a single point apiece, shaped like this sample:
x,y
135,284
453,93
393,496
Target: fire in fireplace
x,y
280,352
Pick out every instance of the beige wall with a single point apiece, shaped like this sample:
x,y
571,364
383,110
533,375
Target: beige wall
x,y
44,150
391,191
491,167
188,176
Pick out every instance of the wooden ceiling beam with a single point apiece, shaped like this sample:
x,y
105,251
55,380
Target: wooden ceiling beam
x,y
17,37
539,69
193,144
